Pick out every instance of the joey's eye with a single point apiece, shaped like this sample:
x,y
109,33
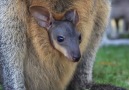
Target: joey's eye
x,y
60,38
80,38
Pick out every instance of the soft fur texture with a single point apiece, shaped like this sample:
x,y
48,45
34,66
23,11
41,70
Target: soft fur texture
x,y
26,49
13,43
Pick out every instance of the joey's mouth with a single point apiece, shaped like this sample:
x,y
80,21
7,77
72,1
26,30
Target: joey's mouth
x,y
73,59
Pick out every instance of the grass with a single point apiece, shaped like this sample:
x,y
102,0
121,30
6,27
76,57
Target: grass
x,y
112,66
0,87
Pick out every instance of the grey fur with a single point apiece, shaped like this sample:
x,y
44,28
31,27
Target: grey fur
x,y
11,57
71,41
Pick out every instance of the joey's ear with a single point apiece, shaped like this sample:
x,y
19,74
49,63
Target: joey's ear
x,y
42,16
72,16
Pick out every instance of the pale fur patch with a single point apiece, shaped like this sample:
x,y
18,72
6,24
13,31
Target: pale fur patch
x,y
61,49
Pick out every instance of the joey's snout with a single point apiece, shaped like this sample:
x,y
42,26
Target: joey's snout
x,y
76,57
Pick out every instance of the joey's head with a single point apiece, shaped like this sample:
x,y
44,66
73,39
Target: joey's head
x,y
63,34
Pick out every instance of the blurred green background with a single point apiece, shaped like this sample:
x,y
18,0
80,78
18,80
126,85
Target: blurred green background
x,y
112,66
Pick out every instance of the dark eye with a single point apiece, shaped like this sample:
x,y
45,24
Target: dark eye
x,y
80,38
60,38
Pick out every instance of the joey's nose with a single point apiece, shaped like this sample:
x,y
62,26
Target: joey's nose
x,y
76,58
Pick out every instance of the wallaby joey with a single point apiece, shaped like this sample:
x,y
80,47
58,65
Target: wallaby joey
x,y
63,34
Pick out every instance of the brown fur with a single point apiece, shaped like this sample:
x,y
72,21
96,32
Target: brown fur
x,y
45,67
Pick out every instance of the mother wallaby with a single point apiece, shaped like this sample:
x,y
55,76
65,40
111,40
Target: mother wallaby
x,y
43,40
